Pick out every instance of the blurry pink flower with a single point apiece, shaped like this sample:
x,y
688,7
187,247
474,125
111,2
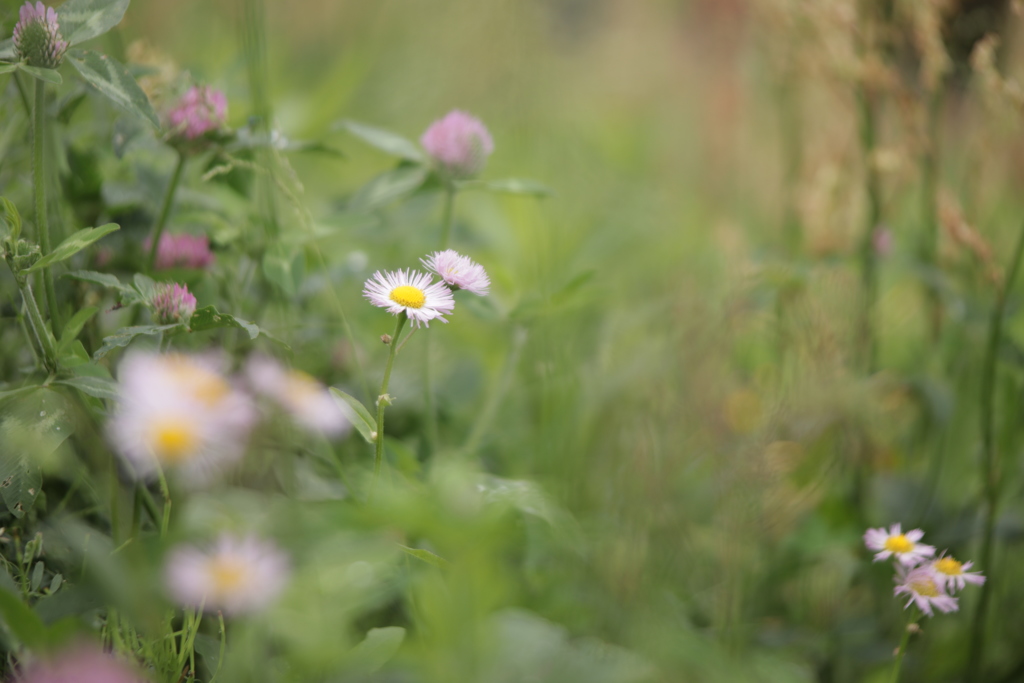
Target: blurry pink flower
x,y
306,400
924,590
458,271
894,543
37,37
235,576
182,251
173,303
80,664
199,111
459,143
881,241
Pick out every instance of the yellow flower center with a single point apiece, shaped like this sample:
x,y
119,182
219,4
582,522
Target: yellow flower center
x,y
173,441
925,587
948,565
207,387
899,544
227,574
408,296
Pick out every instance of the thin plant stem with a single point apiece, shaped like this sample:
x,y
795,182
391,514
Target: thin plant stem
x,y
903,646
223,645
165,490
42,333
39,192
447,214
165,212
990,460
383,400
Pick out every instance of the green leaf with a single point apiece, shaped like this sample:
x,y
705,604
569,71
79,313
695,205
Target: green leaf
x,y
37,576
98,387
11,217
11,393
377,649
509,186
427,556
21,620
81,20
283,266
55,583
385,141
74,327
75,243
47,75
389,186
208,318
104,279
7,51
124,336
20,480
114,81
356,413
8,68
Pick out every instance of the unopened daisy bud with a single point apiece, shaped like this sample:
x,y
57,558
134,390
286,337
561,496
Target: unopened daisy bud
x,y
386,339
235,576
459,144
458,271
37,37
412,293
200,110
173,303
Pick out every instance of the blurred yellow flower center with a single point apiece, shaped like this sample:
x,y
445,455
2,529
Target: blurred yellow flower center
x,y
925,587
227,573
898,544
301,386
948,565
173,441
208,387
409,296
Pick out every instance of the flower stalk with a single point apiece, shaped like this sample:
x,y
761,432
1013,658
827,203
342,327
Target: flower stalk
x,y
910,628
165,211
383,400
39,192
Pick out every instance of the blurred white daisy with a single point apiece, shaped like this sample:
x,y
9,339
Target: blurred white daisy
x,y
235,576
924,589
179,412
953,575
410,292
458,271
303,397
894,543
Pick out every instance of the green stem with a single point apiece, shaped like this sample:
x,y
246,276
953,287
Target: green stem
x,y
447,212
165,211
43,335
989,463
430,407
383,399
903,647
39,190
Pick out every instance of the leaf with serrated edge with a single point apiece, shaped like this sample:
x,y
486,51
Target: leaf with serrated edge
x,y
114,81
75,243
82,20
356,413
385,141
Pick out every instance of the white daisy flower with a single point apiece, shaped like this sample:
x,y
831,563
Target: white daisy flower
x,y
953,575
303,397
179,413
235,576
458,271
409,292
894,543
924,590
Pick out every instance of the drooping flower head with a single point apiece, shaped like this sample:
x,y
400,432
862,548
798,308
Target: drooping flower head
x,y
173,303
235,576
179,413
410,292
37,37
200,110
303,397
953,575
458,271
181,251
459,144
894,543
80,664
924,589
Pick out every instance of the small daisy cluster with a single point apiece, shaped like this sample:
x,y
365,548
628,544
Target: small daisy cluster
x,y
929,582
37,37
200,110
415,294
182,251
183,414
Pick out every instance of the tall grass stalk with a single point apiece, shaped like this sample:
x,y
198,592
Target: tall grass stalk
x,y
39,192
990,460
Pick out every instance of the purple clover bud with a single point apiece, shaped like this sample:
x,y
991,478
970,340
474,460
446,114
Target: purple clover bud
x,y
182,251
200,110
173,303
459,144
37,38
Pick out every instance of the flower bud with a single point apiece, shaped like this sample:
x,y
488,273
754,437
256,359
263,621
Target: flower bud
x,y
459,144
37,38
173,303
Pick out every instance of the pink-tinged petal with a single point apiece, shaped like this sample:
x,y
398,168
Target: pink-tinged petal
x,y
915,535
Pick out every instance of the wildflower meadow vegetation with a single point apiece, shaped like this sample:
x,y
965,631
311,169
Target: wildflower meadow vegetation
x,y
507,341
